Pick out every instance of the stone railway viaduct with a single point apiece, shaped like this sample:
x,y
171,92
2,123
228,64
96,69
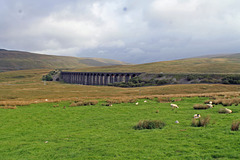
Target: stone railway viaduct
x,y
96,78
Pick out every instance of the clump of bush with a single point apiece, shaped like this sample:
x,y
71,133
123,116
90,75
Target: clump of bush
x,y
149,124
231,79
84,103
235,125
200,106
201,122
52,75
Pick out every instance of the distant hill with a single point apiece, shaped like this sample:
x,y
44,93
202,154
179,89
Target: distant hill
x,y
228,63
19,60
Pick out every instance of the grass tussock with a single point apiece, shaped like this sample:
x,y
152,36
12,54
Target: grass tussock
x,y
201,122
226,101
224,111
235,126
165,100
106,104
9,107
200,106
84,103
121,100
149,124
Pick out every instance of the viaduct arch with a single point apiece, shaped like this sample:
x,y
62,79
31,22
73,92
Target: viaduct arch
x,y
96,78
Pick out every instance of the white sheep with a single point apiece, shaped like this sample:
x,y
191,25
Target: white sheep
x,y
196,116
210,105
228,110
137,103
174,106
145,101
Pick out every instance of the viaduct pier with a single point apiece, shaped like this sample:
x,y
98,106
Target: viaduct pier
x,y
96,78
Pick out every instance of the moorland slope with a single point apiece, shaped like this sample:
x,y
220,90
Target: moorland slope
x,y
18,60
224,64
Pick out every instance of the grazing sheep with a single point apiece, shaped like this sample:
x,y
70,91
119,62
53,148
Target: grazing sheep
x,y
210,105
228,110
145,101
174,106
137,103
176,121
196,116
46,100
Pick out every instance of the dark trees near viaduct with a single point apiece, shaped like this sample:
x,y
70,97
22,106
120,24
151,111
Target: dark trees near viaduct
x,y
95,78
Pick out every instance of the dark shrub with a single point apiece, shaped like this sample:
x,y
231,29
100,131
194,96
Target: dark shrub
x,y
235,125
149,124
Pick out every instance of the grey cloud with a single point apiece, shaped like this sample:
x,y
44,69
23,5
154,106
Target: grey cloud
x,y
135,31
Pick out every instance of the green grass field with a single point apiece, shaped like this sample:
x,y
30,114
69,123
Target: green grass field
x,y
102,132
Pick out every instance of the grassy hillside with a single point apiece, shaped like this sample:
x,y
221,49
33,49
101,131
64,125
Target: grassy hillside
x,y
16,60
215,64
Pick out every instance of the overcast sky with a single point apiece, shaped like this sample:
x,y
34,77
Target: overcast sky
x,y
135,31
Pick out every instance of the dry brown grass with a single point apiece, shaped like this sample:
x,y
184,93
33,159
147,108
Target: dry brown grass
x,y
30,89
164,99
9,107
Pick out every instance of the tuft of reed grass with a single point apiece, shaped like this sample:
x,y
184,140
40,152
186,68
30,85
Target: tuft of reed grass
x,y
224,110
84,103
201,122
149,124
235,126
200,106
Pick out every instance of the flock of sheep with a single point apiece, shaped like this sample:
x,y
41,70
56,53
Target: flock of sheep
x,y
195,116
